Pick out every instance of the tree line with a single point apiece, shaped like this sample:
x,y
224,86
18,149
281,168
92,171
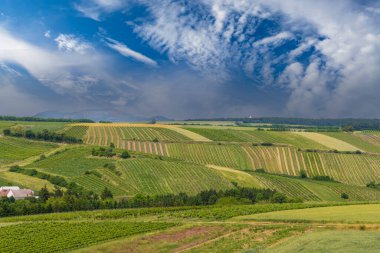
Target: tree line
x,y
356,124
39,119
45,135
75,198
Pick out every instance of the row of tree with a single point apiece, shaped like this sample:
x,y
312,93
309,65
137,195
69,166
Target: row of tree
x,y
75,198
39,119
45,135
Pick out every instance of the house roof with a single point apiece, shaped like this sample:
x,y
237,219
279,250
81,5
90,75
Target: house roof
x,y
4,193
23,193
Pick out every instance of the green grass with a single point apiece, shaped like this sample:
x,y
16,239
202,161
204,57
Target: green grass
x,y
344,214
17,149
331,241
58,237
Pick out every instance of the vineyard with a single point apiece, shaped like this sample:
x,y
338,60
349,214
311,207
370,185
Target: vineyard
x,y
364,141
256,136
328,141
57,236
313,190
149,176
104,135
16,149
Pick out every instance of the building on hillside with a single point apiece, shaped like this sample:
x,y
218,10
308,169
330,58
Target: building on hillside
x,y
15,192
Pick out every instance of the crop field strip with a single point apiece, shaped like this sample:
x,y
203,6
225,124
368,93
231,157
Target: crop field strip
x,y
151,176
242,135
364,141
328,141
63,236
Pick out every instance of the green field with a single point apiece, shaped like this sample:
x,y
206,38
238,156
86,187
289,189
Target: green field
x,y
194,229
342,214
331,241
16,149
243,135
57,236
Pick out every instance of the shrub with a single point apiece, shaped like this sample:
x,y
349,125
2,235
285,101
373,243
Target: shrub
x,y
125,155
303,174
344,196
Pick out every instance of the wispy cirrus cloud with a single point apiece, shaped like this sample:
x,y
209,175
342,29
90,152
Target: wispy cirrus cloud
x,y
94,9
127,52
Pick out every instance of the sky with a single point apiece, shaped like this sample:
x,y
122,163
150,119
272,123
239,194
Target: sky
x,y
132,59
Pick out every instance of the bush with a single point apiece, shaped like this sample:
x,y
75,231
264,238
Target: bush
x,y
303,174
344,196
279,198
324,178
125,155
267,144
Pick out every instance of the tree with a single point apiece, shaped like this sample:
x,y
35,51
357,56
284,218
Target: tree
x,y
57,191
125,155
112,145
303,174
344,196
279,198
106,194
44,193
7,132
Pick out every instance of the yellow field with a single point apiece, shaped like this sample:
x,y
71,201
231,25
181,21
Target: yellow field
x,y
26,181
242,178
344,214
328,141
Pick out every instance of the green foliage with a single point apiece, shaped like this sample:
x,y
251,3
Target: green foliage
x,y
103,152
125,155
344,196
44,135
106,194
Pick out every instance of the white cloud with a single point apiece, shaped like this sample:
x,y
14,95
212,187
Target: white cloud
x,y
273,40
70,43
47,34
51,68
127,52
94,9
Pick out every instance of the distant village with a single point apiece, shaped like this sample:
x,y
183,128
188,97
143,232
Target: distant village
x,y
15,192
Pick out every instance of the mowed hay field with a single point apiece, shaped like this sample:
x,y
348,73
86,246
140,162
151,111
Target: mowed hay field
x,y
328,141
344,214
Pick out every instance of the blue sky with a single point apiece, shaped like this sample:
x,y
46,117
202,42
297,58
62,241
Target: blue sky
x,y
130,59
